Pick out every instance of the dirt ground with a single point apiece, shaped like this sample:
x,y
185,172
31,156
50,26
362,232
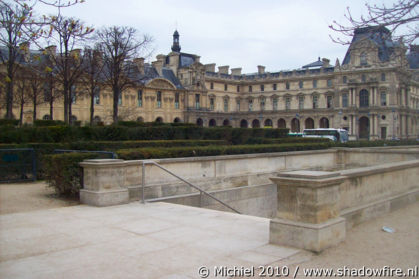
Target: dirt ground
x,y
21,197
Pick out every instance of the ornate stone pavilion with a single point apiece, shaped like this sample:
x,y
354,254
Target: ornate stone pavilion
x,y
373,92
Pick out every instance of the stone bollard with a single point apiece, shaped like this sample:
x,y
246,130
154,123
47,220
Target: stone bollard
x,y
103,181
307,214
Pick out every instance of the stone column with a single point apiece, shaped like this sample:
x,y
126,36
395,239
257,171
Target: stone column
x,y
104,182
308,212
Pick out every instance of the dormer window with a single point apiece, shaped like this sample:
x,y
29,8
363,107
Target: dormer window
x,y
363,59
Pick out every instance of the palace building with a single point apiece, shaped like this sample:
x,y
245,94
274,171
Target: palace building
x,y
373,92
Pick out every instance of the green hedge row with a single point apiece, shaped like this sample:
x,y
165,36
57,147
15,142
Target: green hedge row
x,y
285,140
376,143
10,134
43,149
175,152
63,173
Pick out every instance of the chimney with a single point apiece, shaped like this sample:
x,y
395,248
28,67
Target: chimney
x,y
51,50
197,59
326,62
210,67
140,64
261,70
158,65
236,71
223,69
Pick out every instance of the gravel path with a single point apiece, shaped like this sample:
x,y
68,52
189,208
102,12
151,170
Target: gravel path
x,y
22,197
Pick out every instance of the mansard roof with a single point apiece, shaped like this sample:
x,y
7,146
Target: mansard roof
x,y
130,67
380,36
315,64
413,57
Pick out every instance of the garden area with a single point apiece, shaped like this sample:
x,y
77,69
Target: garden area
x,y
57,149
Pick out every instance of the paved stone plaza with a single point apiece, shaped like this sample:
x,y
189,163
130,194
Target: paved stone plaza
x,y
131,241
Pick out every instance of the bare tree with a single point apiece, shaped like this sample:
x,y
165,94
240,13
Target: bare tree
x,y
12,34
93,76
120,45
22,96
401,18
68,33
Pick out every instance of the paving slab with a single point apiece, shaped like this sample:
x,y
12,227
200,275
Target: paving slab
x,y
153,240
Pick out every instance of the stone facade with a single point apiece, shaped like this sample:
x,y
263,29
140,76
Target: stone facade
x,y
373,93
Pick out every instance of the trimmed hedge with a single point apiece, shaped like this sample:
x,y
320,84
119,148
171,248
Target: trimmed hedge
x,y
44,123
376,143
285,140
43,149
63,173
9,134
9,122
176,152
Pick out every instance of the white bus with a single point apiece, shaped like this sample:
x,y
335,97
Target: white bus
x,y
340,135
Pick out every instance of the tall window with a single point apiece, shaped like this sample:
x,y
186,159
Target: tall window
x,y
262,103
329,83
158,99
47,93
262,87
383,99
383,77
288,103
211,103
225,104
344,79
301,84
363,98
73,94
140,98
197,101
238,104
250,88
96,97
345,100
238,88
274,86
250,105
120,99
177,100
301,102
212,85
275,104
315,101
225,87
329,101
315,83
287,85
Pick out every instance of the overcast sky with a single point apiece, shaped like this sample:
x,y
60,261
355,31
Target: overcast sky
x,y
279,34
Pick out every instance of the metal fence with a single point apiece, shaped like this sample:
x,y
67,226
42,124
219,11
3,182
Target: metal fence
x,y
17,164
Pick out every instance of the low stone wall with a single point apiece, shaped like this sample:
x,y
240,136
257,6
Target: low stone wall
x,y
311,204
210,173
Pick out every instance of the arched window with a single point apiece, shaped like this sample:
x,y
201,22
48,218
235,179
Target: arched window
x,y
268,123
243,123
46,117
212,123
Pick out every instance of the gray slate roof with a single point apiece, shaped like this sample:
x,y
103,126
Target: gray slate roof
x,y
380,36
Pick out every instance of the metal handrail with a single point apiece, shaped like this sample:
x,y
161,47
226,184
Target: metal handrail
x,y
182,179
